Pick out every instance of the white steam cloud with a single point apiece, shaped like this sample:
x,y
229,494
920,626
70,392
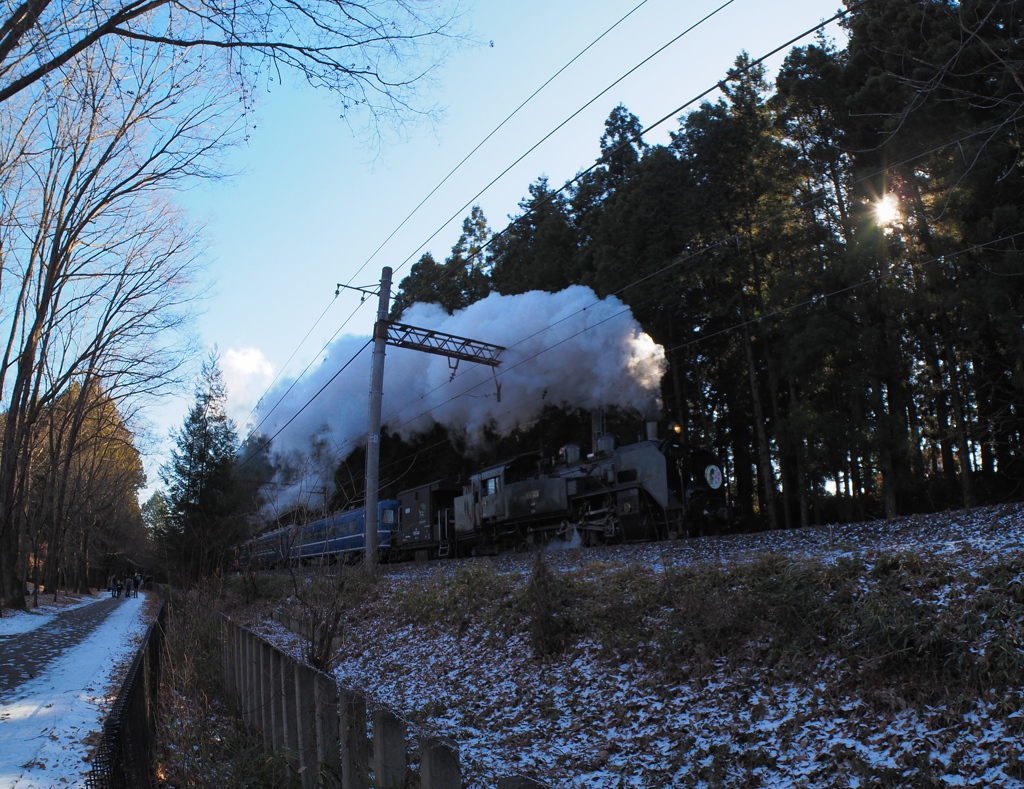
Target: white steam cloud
x,y
561,347
247,373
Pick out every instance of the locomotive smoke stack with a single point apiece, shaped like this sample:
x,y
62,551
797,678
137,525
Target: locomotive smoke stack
x,y
652,431
596,430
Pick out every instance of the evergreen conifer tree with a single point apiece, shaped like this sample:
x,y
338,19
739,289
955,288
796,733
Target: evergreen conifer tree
x,y
204,521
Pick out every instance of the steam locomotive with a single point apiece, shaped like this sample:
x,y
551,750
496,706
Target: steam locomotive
x,y
653,489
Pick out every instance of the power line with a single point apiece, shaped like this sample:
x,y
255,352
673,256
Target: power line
x,y
289,359
305,369
691,256
494,131
422,203
309,402
612,152
706,249
557,128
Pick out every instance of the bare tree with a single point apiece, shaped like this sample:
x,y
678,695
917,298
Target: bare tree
x,y
98,264
366,52
84,492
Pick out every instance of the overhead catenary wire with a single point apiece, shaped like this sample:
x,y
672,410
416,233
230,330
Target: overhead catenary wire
x,y
695,254
288,361
612,152
305,369
561,125
635,138
490,134
266,443
809,302
422,202
674,113
823,296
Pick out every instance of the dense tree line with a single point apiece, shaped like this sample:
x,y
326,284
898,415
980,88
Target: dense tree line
x,y
97,269
87,474
832,263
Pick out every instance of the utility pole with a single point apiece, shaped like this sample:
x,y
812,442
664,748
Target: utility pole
x,y
398,334
380,339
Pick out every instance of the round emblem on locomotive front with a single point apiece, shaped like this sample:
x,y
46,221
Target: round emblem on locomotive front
x,y
713,475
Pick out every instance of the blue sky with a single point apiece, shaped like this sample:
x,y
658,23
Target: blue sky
x,y
312,201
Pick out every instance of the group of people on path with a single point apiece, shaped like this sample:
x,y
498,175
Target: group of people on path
x,y
129,585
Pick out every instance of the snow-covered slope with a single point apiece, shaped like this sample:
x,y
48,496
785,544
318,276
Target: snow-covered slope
x,y
584,719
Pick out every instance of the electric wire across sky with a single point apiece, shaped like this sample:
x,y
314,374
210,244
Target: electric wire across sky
x,y
576,178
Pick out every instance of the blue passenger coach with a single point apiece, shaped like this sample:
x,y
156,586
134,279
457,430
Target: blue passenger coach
x,y
336,536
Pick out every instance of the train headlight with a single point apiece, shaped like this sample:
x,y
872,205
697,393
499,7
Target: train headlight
x,y
713,476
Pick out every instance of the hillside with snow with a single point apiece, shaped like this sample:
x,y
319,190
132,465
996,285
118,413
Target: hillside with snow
x,y
886,654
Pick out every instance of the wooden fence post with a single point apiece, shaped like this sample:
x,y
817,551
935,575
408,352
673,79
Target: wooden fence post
x,y
354,761
224,668
232,657
325,693
439,764
254,677
305,707
266,710
249,685
389,753
277,709
322,731
289,711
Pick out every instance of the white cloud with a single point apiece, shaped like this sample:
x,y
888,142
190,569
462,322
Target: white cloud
x,y
247,374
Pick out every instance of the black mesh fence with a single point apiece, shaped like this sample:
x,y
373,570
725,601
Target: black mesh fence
x,y
125,756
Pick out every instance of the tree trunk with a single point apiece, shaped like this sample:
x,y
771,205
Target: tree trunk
x,y
962,443
764,453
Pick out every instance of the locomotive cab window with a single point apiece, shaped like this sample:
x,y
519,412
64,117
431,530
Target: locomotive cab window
x,y
492,485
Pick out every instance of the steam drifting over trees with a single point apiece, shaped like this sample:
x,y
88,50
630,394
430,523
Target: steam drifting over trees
x,y
847,363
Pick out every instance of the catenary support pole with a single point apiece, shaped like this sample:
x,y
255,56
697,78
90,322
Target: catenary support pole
x,y
380,340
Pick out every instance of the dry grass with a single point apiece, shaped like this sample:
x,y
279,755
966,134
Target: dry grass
x,y
922,625
882,654
201,742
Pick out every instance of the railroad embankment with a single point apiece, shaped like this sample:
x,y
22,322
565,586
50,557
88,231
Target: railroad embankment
x,y
882,654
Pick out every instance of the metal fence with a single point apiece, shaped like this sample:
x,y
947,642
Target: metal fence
x,y
125,756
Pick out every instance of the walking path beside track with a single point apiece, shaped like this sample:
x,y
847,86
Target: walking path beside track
x,y
58,679
26,655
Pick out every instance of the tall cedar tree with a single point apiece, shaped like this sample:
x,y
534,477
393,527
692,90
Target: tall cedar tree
x,y
844,365
204,520
460,281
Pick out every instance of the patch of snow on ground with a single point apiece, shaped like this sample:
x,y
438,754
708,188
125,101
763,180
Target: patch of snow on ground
x,y
45,726
14,623
580,723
